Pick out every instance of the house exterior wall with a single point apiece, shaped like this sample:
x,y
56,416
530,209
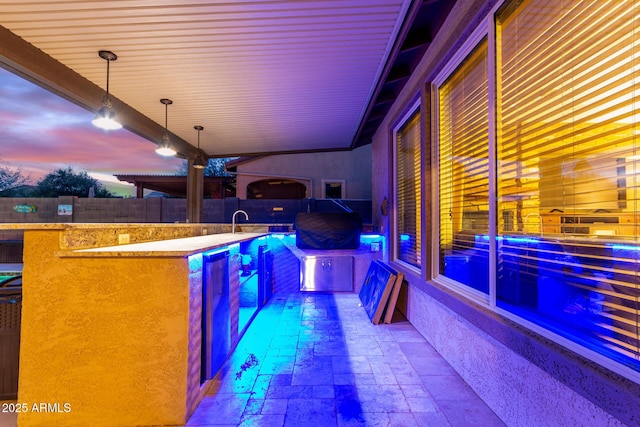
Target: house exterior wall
x,y
519,391
526,379
354,167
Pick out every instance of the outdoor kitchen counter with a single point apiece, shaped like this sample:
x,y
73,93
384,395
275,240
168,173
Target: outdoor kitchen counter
x,y
165,248
111,335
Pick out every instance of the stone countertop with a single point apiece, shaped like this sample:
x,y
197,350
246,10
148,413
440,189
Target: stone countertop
x,y
119,225
89,225
77,236
33,226
182,247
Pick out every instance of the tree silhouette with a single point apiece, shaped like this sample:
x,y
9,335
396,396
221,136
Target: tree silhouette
x,y
10,179
67,182
215,167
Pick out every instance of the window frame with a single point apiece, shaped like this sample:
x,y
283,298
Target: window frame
x,y
343,187
478,35
486,28
414,107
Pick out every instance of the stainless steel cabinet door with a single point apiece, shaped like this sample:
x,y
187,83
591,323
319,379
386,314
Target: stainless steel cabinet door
x,y
325,273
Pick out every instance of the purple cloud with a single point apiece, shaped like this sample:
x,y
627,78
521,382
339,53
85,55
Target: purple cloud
x,y
40,132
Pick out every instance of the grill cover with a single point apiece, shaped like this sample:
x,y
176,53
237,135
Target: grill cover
x,y
328,230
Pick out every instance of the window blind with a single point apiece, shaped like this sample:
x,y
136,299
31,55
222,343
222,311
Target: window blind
x,y
408,191
464,172
567,119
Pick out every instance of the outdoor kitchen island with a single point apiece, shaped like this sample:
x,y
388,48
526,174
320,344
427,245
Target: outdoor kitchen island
x,y
111,334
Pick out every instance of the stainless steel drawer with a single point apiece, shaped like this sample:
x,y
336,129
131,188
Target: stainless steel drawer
x,y
327,273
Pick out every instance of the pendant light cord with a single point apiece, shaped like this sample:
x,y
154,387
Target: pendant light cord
x,y
166,108
107,95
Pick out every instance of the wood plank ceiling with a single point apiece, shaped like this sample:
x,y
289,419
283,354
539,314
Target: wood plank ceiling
x,y
261,76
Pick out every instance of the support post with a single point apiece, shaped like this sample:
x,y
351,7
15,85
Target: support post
x,y
195,190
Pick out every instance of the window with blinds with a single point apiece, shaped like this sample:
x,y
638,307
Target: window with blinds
x,y
408,192
567,90
463,164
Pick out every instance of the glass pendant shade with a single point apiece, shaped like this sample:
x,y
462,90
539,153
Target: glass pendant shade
x,y
199,162
165,147
106,118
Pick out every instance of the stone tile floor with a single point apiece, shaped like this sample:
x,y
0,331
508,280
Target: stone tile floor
x,y
312,359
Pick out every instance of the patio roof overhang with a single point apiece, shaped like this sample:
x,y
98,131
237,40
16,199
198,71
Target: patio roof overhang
x,y
265,78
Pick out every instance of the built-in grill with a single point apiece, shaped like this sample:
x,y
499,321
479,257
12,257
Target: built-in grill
x,y
330,270
328,230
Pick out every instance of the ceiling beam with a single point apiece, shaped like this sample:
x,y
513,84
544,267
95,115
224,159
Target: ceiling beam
x,y
398,73
419,38
29,62
385,97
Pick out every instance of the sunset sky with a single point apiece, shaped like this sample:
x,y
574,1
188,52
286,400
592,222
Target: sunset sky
x,y
41,132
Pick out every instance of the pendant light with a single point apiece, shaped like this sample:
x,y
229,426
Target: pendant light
x,y
199,162
106,117
165,148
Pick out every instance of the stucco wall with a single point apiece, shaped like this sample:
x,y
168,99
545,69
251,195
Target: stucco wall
x,y
518,391
115,347
526,379
354,167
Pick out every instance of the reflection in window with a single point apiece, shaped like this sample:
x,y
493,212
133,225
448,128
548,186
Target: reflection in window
x,y
568,254
464,172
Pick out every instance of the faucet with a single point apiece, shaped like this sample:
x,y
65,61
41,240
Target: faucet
x,y
233,219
